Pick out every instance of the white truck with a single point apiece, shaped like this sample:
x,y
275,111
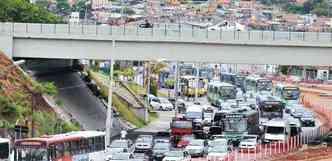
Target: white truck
x,y
276,130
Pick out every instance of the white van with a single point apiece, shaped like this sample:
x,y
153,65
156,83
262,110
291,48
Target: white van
x,y
276,130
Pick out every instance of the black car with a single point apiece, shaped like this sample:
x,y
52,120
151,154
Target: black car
x,y
307,120
146,25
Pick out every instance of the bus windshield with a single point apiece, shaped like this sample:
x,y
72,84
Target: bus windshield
x,y
235,124
181,124
291,93
227,92
31,154
4,150
264,85
274,130
271,109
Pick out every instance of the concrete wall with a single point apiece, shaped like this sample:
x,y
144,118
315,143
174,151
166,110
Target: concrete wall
x,y
6,45
227,52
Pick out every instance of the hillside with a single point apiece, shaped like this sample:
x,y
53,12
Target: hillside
x,y
18,94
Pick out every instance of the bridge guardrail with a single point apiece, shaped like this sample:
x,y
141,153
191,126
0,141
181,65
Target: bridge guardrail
x,y
160,32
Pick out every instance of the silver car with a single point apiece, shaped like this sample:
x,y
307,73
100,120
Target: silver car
x,y
196,148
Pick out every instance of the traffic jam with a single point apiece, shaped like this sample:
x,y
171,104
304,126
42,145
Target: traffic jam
x,y
245,118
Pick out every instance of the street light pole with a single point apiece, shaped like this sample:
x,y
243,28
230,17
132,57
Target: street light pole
x,y
109,120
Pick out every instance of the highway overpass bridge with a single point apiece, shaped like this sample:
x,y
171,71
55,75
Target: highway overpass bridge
x,y
164,41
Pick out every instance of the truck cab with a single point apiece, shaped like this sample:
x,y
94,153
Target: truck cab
x,y
276,130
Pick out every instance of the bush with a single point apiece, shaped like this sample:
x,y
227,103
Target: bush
x,y
170,83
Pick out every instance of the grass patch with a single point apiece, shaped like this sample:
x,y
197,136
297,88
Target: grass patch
x,y
136,88
120,105
153,116
126,113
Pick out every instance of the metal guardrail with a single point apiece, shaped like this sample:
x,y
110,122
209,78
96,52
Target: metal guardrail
x,y
160,32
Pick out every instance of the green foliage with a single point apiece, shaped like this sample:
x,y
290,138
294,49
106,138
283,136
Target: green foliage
x,y
59,102
321,9
69,126
81,6
169,83
153,87
128,72
299,9
284,69
23,11
63,6
48,123
127,113
42,3
45,88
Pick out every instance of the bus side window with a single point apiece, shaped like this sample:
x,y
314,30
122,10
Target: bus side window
x,y
74,147
67,150
91,144
59,150
51,151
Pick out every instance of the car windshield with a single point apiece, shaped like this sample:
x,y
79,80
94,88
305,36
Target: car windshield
x,y
307,115
178,154
121,156
300,110
161,146
162,100
217,143
196,143
119,144
275,130
32,154
194,115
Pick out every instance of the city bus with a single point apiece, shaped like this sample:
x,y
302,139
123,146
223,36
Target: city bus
x,y
181,126
72,146
288,93
270,107
188,86
4,149
228,77
236,123
256,84
220,91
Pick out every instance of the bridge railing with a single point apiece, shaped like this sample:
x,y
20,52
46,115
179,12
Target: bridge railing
x,y
160,32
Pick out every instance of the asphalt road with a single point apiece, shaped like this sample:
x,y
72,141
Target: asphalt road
x,y
79,101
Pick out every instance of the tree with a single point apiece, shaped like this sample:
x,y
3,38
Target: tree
x,y
321,9
63,7
81,6
23,11
42,3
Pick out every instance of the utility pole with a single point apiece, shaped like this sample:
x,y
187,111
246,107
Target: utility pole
x,y
197,81
176,85
148,68
109,120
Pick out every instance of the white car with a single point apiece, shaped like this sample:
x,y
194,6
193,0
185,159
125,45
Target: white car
x,y
217,150
177,156
121,157
249,143
161,104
